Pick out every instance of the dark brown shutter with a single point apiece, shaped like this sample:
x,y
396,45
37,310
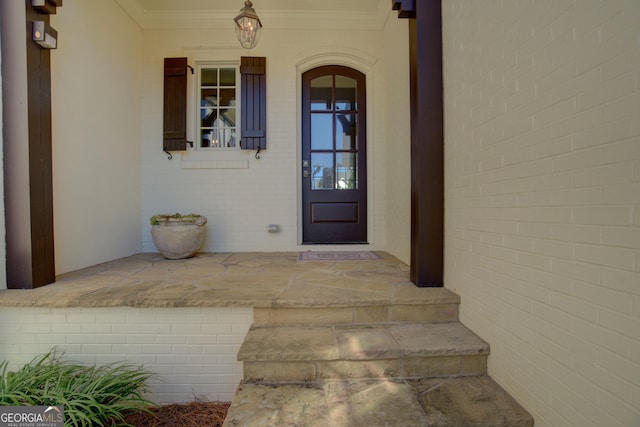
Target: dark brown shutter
x,y
175,104
254,103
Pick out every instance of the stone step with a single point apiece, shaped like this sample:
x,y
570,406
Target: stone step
x,y
287,353
406,305
444,402
356,314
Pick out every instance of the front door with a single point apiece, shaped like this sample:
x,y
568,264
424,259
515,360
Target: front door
x,y
334,173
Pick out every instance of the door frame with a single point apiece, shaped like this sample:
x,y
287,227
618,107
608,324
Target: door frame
x,y
364,63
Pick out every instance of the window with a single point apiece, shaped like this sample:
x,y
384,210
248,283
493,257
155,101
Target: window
x,y
226,95
217,100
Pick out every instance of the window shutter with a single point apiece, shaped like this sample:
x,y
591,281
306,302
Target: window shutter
x,y
254,102
175,104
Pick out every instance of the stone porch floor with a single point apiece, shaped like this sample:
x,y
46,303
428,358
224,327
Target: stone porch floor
x,y
268,280
231,280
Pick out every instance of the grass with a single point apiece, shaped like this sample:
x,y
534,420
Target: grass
x,y
90,395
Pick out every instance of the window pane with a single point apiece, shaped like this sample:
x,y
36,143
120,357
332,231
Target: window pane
x,y
209,77
215,140
209,97
321,171
321,131
346,136
345,93
207,137
227,77
228,137
227,117
321,93
346,171
227,97
209,117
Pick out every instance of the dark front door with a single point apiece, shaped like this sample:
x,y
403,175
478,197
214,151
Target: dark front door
x,y
334,173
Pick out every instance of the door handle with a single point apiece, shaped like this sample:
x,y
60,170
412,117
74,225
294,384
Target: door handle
x,y
305,168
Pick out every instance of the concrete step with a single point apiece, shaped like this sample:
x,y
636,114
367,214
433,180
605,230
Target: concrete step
x,y
444,402
406,305
285,353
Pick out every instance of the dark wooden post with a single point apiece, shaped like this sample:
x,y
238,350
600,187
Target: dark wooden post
x,y
27,150
427,140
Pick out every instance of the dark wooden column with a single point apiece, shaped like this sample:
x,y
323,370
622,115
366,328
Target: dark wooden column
x,y
427,139
28,157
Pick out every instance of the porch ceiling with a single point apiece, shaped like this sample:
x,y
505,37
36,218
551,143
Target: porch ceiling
x,y
283,14
271,5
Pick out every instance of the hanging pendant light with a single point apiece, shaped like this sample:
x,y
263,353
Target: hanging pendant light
x,y
248,26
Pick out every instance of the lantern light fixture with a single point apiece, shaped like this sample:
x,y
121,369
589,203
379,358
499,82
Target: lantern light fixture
x,y
248,26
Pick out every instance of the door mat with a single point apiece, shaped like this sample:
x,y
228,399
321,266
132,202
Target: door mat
x,y
337,256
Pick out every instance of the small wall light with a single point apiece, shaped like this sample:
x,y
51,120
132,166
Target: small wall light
x,y
248,26
45,35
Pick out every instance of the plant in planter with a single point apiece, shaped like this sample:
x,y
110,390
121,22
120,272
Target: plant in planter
x,y
178,236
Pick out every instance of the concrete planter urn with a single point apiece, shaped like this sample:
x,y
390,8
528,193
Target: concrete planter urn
x,y
178,236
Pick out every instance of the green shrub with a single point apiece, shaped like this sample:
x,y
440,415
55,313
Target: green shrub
x,y
90,395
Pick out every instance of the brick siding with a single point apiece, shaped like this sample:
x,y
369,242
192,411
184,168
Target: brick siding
x,y
542,165
191,351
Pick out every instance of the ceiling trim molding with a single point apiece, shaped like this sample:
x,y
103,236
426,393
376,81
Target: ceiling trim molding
x,y
134,10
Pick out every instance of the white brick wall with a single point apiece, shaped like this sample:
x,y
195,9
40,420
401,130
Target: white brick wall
x,y
240,203
191,351
542,160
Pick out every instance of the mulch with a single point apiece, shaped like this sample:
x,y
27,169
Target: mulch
x,y
194,414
